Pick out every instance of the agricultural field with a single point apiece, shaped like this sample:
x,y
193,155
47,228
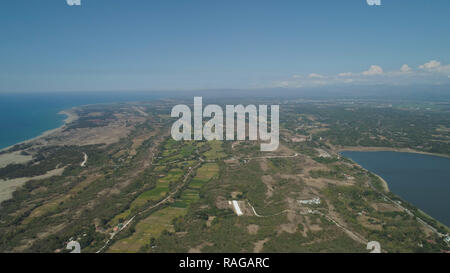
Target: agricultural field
x,y
215,152
142,191
150,227
159,221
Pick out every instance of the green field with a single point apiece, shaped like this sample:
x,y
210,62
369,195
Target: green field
x,y
153,225
149,227
216,151
155,194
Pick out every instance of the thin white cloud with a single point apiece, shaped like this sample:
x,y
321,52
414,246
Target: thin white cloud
x,y
315,75
431,72
283,84
405,68
373,70
345,74
435,66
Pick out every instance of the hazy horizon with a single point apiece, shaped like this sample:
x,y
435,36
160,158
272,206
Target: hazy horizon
x,y
203,45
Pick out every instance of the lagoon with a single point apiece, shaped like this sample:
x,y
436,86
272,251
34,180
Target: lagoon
x,y
423,180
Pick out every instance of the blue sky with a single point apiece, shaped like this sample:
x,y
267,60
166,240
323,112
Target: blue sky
x,y
191,44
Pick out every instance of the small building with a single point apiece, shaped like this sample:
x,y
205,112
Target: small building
x,y
323,153
237,209
447,239
299,138
349,177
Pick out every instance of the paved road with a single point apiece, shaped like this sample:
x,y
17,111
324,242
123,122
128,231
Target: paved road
x,y
407,211
272,156
85,160
355,236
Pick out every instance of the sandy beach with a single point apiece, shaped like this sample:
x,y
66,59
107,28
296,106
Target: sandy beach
x,y
14,157
7,187
71,117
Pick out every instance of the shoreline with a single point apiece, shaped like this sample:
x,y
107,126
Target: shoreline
x,y
384,149
71,116
384,182
340,149
8,186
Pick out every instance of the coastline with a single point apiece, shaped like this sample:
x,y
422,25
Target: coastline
x,y
7,187
71,116
383,182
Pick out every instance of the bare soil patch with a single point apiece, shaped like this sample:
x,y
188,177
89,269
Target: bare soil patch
x,y
252,229
198,249
259,245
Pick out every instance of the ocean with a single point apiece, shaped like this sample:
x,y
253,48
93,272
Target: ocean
x,y
422,180
25,116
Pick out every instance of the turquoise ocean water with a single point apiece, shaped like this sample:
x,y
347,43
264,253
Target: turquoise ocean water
x,y
24,116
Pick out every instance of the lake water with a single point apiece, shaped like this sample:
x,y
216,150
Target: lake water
x,y
422,180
